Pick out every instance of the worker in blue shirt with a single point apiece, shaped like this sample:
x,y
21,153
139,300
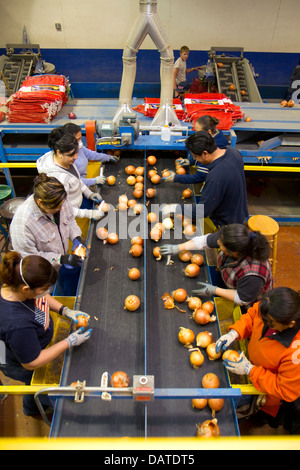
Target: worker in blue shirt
x,y
224,196
207,124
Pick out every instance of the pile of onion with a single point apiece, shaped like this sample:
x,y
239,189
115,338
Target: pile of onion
x,y
208,429
186,336
211,352
196,358
120,379
132,303
192,270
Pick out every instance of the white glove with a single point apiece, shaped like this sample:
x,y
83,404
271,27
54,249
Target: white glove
x,y
226,340
95,197
78,337
183,161
200,242
96,214
100,179
168,209
242,367
73,314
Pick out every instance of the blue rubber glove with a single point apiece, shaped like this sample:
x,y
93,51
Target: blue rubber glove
x,y
242,367
205,289
226,340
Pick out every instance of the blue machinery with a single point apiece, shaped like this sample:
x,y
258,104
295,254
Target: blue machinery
x,y
99,418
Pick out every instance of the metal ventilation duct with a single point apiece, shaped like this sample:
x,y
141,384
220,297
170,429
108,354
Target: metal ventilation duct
x,y
148,22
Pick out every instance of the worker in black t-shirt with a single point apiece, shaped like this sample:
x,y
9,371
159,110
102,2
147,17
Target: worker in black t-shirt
x,y
26,326
224,196
242,262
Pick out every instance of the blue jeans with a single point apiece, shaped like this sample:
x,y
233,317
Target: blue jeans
x,y
17,372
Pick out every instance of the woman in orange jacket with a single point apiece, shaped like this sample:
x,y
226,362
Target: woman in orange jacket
x,y
273,328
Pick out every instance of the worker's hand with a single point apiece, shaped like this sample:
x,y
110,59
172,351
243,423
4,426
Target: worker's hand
x,y
99,180
183,161
169,249
95,197
72,261
226,340
242,367
78,337
170,178
114,158
74,314
167,209
205,289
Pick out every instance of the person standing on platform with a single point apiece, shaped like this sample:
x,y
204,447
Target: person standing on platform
x,y
224,196
26,326
272,327
180,70
59,163
85,155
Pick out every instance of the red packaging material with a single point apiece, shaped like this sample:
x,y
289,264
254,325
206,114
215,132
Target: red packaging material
x,y
151,106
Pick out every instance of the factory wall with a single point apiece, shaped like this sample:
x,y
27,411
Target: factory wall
x,y
89,47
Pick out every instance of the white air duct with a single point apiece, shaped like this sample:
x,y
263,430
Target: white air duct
x,y
148,22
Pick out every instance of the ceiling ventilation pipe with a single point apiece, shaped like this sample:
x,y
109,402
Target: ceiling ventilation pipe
x,y
148,22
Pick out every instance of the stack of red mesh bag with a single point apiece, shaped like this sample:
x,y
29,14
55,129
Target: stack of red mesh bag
x,y
213,104
39,99
151,106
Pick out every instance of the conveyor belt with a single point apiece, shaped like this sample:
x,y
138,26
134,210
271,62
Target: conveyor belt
x,y
141,342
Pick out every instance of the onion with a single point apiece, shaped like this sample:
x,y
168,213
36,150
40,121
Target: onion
x,y
186,336
111,180
185,256
139,186
120,379
139,171
189,230
122,206
180,171
168,301
210,380
151,173
112,238
208,429
152,217
134,274
139,179
179,295
123,198
131,180
197,259
131,202
105,207
155,179
151,160
192,270
132,303
165,173
211,352
130,170
102,233
194,302
137,209
138,193
159,226
155,234
150,193
203,339
168,223
199,403
156,253
186,194
231,355
82,321
201,316
137,241
136,250
215,404
196,358
209,306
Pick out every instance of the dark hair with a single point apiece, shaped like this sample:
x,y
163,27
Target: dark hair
x,y
282,304
184,49
237,237
71,128
51,191
208,123
60,140
199,142
36,271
